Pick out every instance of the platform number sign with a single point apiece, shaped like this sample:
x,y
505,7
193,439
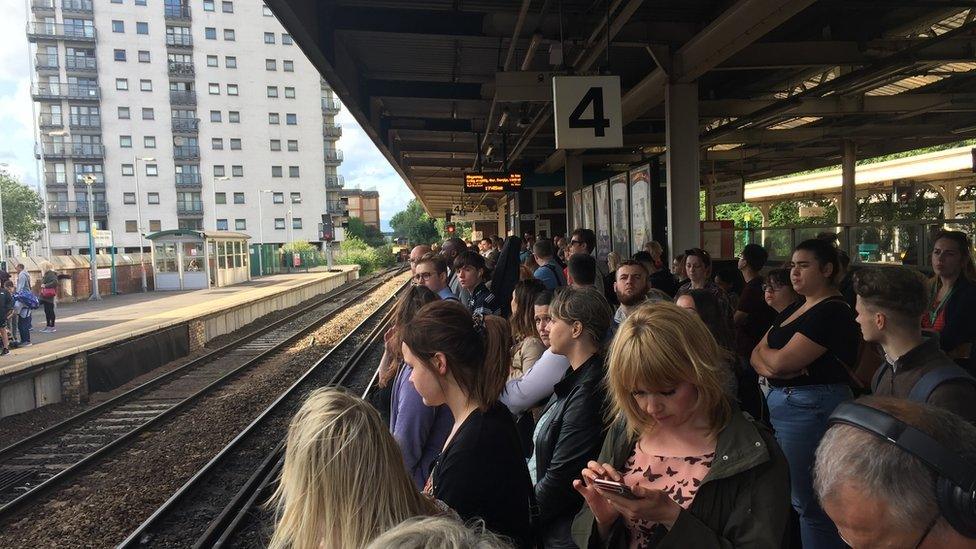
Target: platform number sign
x,y
587,111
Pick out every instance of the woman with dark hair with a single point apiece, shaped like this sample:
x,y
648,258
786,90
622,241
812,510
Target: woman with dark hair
x,y
778,290
506,273
806,356
704,304
528,346
952,294
698,266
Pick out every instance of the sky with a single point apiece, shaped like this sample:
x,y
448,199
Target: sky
x,y
363,166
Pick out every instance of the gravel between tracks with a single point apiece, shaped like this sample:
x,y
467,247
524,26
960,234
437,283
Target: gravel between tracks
x,y
100,507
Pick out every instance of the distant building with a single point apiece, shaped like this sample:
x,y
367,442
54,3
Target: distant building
x,y
363,204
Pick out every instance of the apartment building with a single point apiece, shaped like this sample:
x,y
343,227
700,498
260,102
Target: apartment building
x,y
362,204
195,115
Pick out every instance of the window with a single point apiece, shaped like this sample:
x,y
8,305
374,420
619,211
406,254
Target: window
x,y
128,170
269,38
118,55
229,35
210,33
215,116
292,145
227,7
289,93
288,65
83,225
270,65
275,144
142,27
240,224
217,144
208,5
286,39
219,170
278,198
116,1
212,61
235,144
273,118
232,89
61,226
292,171
152,170
148,113
296,223
267,11
220,198
213,89
125,141
230,62
296,198
275,171
155,225
238,198
122,84
144,56
129,198
237,171
131,226
272,91
221,224
152,198
234,117
280,223
123,113
291,119
149,142
118,26
145,85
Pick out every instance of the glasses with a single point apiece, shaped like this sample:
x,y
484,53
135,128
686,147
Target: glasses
x,y
420,277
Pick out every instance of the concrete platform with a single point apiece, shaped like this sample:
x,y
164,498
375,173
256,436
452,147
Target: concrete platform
x,y
54,368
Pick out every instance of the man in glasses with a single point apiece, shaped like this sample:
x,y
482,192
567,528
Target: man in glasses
x,y
583,241
415,254
431,271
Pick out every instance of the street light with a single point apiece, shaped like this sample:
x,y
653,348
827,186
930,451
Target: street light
x,y
214,196
89,180
142,233
261,233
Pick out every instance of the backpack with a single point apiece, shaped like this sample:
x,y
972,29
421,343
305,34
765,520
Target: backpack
x,y
27,299
929,382
557,274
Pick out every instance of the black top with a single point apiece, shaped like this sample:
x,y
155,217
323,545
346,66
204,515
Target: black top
x,y
761,315
829,324
482,473
960,328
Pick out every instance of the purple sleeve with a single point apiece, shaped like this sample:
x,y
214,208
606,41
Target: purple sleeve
x,y
416,424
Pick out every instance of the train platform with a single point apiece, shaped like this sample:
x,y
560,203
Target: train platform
x,y
103,342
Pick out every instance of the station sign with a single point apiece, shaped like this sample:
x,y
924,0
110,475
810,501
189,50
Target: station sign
x,y
587,112
729,191
475,216
102,238
811,211
965,207
492,182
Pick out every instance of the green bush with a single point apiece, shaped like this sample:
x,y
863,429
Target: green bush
x,y
354,251
299,246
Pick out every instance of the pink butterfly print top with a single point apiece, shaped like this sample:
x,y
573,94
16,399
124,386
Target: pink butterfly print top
x,y
678,477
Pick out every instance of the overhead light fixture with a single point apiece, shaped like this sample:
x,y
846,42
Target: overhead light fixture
x,y
558,193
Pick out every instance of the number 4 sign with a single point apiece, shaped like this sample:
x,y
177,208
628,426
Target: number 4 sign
x,y
587,110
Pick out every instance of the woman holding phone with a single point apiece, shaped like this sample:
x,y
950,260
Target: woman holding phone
x,y
681,466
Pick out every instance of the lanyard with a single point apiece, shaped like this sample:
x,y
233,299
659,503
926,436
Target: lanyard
x,y
934,313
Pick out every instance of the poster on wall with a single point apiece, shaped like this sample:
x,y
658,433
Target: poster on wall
x,y
588,208
577,210
601,196
619,218
640,207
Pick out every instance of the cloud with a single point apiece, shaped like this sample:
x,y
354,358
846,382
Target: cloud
x,y
16,115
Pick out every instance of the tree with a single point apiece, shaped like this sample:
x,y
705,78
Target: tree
x,y
415,225
367,233
23,211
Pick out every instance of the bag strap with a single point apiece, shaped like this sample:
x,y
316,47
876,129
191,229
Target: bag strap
x,y
929,382
556,273
878,374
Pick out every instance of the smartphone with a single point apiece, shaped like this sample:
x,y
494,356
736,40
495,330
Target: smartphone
x,y
613,486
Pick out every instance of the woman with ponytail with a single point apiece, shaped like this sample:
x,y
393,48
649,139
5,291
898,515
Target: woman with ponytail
x,y
463,362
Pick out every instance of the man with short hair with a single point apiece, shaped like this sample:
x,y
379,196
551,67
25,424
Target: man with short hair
x,y
431,271
583,241
582,270
415,254
890,302
631,288
451,249
548,271
879,493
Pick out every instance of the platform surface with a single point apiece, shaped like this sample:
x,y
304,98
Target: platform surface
x,y
87,325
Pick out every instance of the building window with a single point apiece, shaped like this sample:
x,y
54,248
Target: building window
x,y
215,116
286,39
296,198
267,11
296,223
140,2
83,225
118,26
229,35
131,226
230,62
148,113
227,7
123,113
221,224
142,27
152,170
270,65
219,170
155,225
269,38
273,118
213,89
145,85
220,198
125,141
122,84
127,169
291,119
238,198
280,223
275,144
144,56
292,171
212,61
149,142
272,91
288,65
61,226
240,224
232,89
289,93
217,144
129,198
152,198
208,5
119,55
275,171
292,145
234,117
237,171
210,33
235,144
278,198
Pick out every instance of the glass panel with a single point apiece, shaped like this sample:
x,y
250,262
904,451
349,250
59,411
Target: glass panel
x,y
237,255
222,251
166,258
779,244
192,257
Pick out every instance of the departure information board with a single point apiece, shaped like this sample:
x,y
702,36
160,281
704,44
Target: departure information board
x,y
492,182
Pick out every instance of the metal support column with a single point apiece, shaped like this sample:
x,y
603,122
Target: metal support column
x,y
684,173
848,196
574,181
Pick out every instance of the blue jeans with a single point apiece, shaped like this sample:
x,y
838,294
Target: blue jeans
x,y
799,417
24,325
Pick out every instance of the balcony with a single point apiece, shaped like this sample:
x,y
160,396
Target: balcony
x,y
332,131
333,157
176,13
55,180
335,182
186,125
85,121
188,180
183,97
42,5
190,208
99,182
80,151
337,207
330,106
179,41
77,63
63,208
49,120
179,69
42,30
186,152
45,62
47,91
77,6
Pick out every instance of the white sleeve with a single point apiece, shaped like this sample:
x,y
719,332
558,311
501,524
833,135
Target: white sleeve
x,y
536,384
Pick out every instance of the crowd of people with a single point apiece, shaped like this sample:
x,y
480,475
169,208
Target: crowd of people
x,y
18,302
538,397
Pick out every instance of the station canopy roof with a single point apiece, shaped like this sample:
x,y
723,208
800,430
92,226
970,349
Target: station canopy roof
x,y
782,83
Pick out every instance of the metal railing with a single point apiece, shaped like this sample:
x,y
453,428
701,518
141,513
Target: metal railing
x,y
45,5
73,150
60,31
85,121
45,61
194,207
49,120
79,63
331,106
176,12
55,179
77,6
181,69
76,207
182,97
336,182
333,156
188,180
186,152
332,131
179,40
64,90
99,181
186,125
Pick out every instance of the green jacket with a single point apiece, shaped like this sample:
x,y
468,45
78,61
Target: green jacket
x,y
744,500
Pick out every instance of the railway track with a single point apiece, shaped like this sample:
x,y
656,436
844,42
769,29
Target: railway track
x,y
32,467
217,501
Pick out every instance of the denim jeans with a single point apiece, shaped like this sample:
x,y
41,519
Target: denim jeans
x,y
799,417
24,326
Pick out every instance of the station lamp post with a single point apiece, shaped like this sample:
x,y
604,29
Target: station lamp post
x,y
89,180
142,230
214,196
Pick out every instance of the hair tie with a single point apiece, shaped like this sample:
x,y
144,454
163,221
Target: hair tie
x,y
479,324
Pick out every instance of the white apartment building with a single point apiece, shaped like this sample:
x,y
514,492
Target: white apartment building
x,y
197,114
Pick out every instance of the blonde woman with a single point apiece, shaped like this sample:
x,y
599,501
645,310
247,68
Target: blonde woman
x,y
696,471
328,495
438,533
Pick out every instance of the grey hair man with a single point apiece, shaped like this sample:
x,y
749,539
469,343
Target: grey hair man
x,y
415,254
880,495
